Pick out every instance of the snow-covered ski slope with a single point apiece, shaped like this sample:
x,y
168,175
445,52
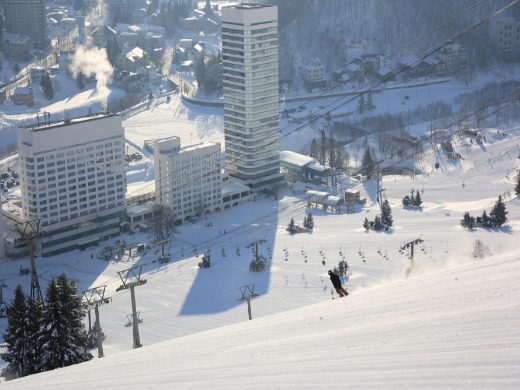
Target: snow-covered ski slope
x,y
452,323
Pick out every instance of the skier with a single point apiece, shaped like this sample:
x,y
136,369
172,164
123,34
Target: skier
x,y
336,282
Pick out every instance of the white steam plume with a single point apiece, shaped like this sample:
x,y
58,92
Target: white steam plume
x,y
92,61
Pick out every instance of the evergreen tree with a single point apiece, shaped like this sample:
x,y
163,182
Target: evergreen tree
x,y
34,315
291,228
323,148
200,72
80,81
370,103
63,339
113,51
367,164
407,201
361,104
485,219
74,310
308,221
366,224
378,225
46,86
467,221
498,214
15,335
417,200
342,268
332,152
314,149
517,187
342,158
386,214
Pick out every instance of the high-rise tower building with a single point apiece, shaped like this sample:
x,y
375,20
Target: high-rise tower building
x,y
27,17
251,94
72,177
2,234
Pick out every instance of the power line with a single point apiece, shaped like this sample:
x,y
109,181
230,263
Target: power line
x,y
376,83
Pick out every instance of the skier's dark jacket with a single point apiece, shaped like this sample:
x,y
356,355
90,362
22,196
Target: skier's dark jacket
x,y
336,281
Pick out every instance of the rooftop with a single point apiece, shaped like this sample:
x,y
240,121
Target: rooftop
x,y
252,6
44,122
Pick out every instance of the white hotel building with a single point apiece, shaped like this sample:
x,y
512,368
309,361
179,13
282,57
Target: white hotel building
x,y
187,180
72,177
251,94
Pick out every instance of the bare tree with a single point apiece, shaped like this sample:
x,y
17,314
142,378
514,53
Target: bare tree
x,y
162,225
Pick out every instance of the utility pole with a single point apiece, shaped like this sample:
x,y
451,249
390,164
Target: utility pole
x,y
30,233
248,292
378,183
3,309
136,275
410,245
162,242
255,243
2,285
95,297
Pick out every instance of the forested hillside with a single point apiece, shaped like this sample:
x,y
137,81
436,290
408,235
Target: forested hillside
x,y
331,30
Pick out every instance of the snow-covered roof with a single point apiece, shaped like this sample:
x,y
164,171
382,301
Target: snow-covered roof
x,y
353,67
316,166
409,60
384,71
232,187
296,159
23,91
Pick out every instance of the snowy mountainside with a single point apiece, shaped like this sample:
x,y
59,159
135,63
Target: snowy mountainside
x,y
331,29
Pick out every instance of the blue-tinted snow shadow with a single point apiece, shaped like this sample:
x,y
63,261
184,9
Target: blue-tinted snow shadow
x,y
217,289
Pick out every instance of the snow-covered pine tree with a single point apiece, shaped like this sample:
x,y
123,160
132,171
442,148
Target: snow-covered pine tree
x,y
417,201
366,224
62,341
332,152
14,336
310,222
314,149
378,225
291,228
52,331
34,315
467,221
367,164
517,187
498,214
323,148
361,104
342,268
386,214
370,102
74,311
46,86
485,219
